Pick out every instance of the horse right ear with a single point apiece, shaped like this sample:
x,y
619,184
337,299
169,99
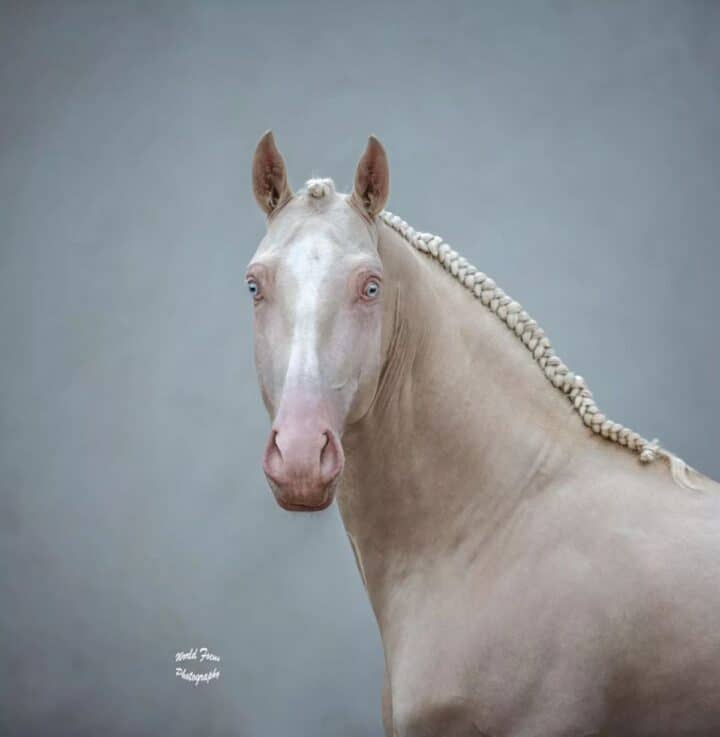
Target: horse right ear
x,y
269,176
372,179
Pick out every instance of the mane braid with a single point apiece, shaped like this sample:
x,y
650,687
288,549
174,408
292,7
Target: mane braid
x,y
518,320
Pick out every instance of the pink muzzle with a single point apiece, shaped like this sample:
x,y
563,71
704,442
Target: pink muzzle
x,y
303,458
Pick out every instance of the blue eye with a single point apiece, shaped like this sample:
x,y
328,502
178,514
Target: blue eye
x,y
371,289
253,288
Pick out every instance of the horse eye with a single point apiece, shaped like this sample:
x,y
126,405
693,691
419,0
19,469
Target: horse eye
x,y
253,288
371,289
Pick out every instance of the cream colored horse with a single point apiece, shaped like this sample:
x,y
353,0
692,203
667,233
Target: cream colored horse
x,y
535,568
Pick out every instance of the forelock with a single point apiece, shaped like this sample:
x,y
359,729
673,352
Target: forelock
x,y
319,189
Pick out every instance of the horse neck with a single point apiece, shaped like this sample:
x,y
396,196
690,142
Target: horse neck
x,y
464,426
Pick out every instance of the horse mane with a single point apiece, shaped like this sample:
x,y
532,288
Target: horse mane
x,y
533,337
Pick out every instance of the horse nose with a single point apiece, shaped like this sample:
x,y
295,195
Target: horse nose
x,y
302,465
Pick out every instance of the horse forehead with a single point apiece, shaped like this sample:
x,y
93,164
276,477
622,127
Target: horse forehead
x,y
319,247
330,220
311,258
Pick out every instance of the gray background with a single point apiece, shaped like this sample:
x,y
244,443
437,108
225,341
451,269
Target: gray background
x,y
570,149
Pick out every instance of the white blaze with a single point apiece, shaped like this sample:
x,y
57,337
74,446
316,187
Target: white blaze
x,y
309,262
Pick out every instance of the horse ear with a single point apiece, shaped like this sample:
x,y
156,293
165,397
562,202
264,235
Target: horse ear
x,y
269,176
372,178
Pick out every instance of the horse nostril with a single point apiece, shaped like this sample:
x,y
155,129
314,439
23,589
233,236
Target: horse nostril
x,y
272,458
331,458
274,443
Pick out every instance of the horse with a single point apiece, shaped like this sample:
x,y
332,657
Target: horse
x,y
535,568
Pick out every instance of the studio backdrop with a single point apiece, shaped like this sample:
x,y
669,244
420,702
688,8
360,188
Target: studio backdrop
x,y
569,149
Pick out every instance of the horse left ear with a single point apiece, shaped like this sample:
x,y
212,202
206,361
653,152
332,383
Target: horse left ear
x,y
269,177
372,178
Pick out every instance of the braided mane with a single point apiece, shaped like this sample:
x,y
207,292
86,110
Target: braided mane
x,y
517,319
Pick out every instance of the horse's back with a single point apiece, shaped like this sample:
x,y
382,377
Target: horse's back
x,y
666,538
